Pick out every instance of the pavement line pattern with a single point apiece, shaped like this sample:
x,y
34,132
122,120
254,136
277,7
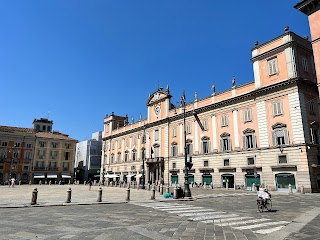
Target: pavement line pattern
x,y
201,196
222,219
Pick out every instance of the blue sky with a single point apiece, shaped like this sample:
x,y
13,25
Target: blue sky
x,y
80,60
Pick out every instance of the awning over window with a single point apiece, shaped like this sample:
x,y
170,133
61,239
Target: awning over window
x,y
111,176
52,175
39,175
65,175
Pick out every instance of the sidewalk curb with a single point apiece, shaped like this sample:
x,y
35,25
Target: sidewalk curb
x,y
60,205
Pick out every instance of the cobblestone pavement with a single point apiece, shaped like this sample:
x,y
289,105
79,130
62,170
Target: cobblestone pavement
x,y
213,214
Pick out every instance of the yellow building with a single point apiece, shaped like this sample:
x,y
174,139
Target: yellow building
x,y
36,154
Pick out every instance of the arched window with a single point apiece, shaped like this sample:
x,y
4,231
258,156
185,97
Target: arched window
x,y
156,150
205,125
119,157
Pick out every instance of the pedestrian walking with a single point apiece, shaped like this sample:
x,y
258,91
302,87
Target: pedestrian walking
x,y
90,183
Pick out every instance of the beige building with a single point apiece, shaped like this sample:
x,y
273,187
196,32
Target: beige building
x,y
263,132
36,154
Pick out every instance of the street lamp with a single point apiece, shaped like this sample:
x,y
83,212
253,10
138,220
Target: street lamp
x,y
143,157
187,192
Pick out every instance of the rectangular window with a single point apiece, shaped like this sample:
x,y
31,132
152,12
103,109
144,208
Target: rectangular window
x,y
25,168
314,136
4,144
54,154
174,132
311,108
126,156
27,155
206,163
156,152
119,157
65,166
277,108
112,158
54,145
188,128
205,147
282,159
247,115
112,145
52,165
225,144
17,144
156,135
68,145
41,154
42,144
174,165
16,154
226,162
250,161
133,156
273,66
67,155
29,145
280,137
224,120
249,141
174,150
205,125
305,64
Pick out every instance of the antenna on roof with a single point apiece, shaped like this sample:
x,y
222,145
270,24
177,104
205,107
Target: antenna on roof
x,y
48,115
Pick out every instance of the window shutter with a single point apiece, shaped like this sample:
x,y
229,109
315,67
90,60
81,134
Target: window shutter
x,y
250,115
274,140
202,147
209,150
280,108
229,144
274,109
221,145
286,136
254,139
244,142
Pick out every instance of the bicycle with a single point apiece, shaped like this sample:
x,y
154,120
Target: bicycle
x,y
264,204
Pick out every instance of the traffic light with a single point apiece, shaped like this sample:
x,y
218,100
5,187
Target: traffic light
x,y
189,165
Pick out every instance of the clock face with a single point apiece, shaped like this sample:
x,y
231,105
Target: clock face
x,y
157,110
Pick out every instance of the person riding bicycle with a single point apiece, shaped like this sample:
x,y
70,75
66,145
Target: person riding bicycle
x,y
263,194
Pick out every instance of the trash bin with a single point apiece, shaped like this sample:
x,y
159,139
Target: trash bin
x,y
180,193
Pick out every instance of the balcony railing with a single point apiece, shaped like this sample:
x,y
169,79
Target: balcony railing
x,y
52,168
39,168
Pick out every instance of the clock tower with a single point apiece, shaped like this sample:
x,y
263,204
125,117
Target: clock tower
x,y
159,105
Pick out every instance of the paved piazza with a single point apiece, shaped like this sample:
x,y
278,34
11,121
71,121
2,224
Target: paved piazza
x,y
211,214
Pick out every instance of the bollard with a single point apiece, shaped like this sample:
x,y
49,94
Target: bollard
x,y
290,188
167,189
45,182
227,186
234,187
175,192
128,193
302,189
30,182
19,182
253,187
68,196
69,182
204,185
99,195
153,192
50,182
34,197
40,182
60,182
149,186
55,182
85,183
161,189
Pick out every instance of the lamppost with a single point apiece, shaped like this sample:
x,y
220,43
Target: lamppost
x,y
143,157
187,192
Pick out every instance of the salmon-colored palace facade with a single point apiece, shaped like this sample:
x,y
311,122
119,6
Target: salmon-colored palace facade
x,y
263,132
